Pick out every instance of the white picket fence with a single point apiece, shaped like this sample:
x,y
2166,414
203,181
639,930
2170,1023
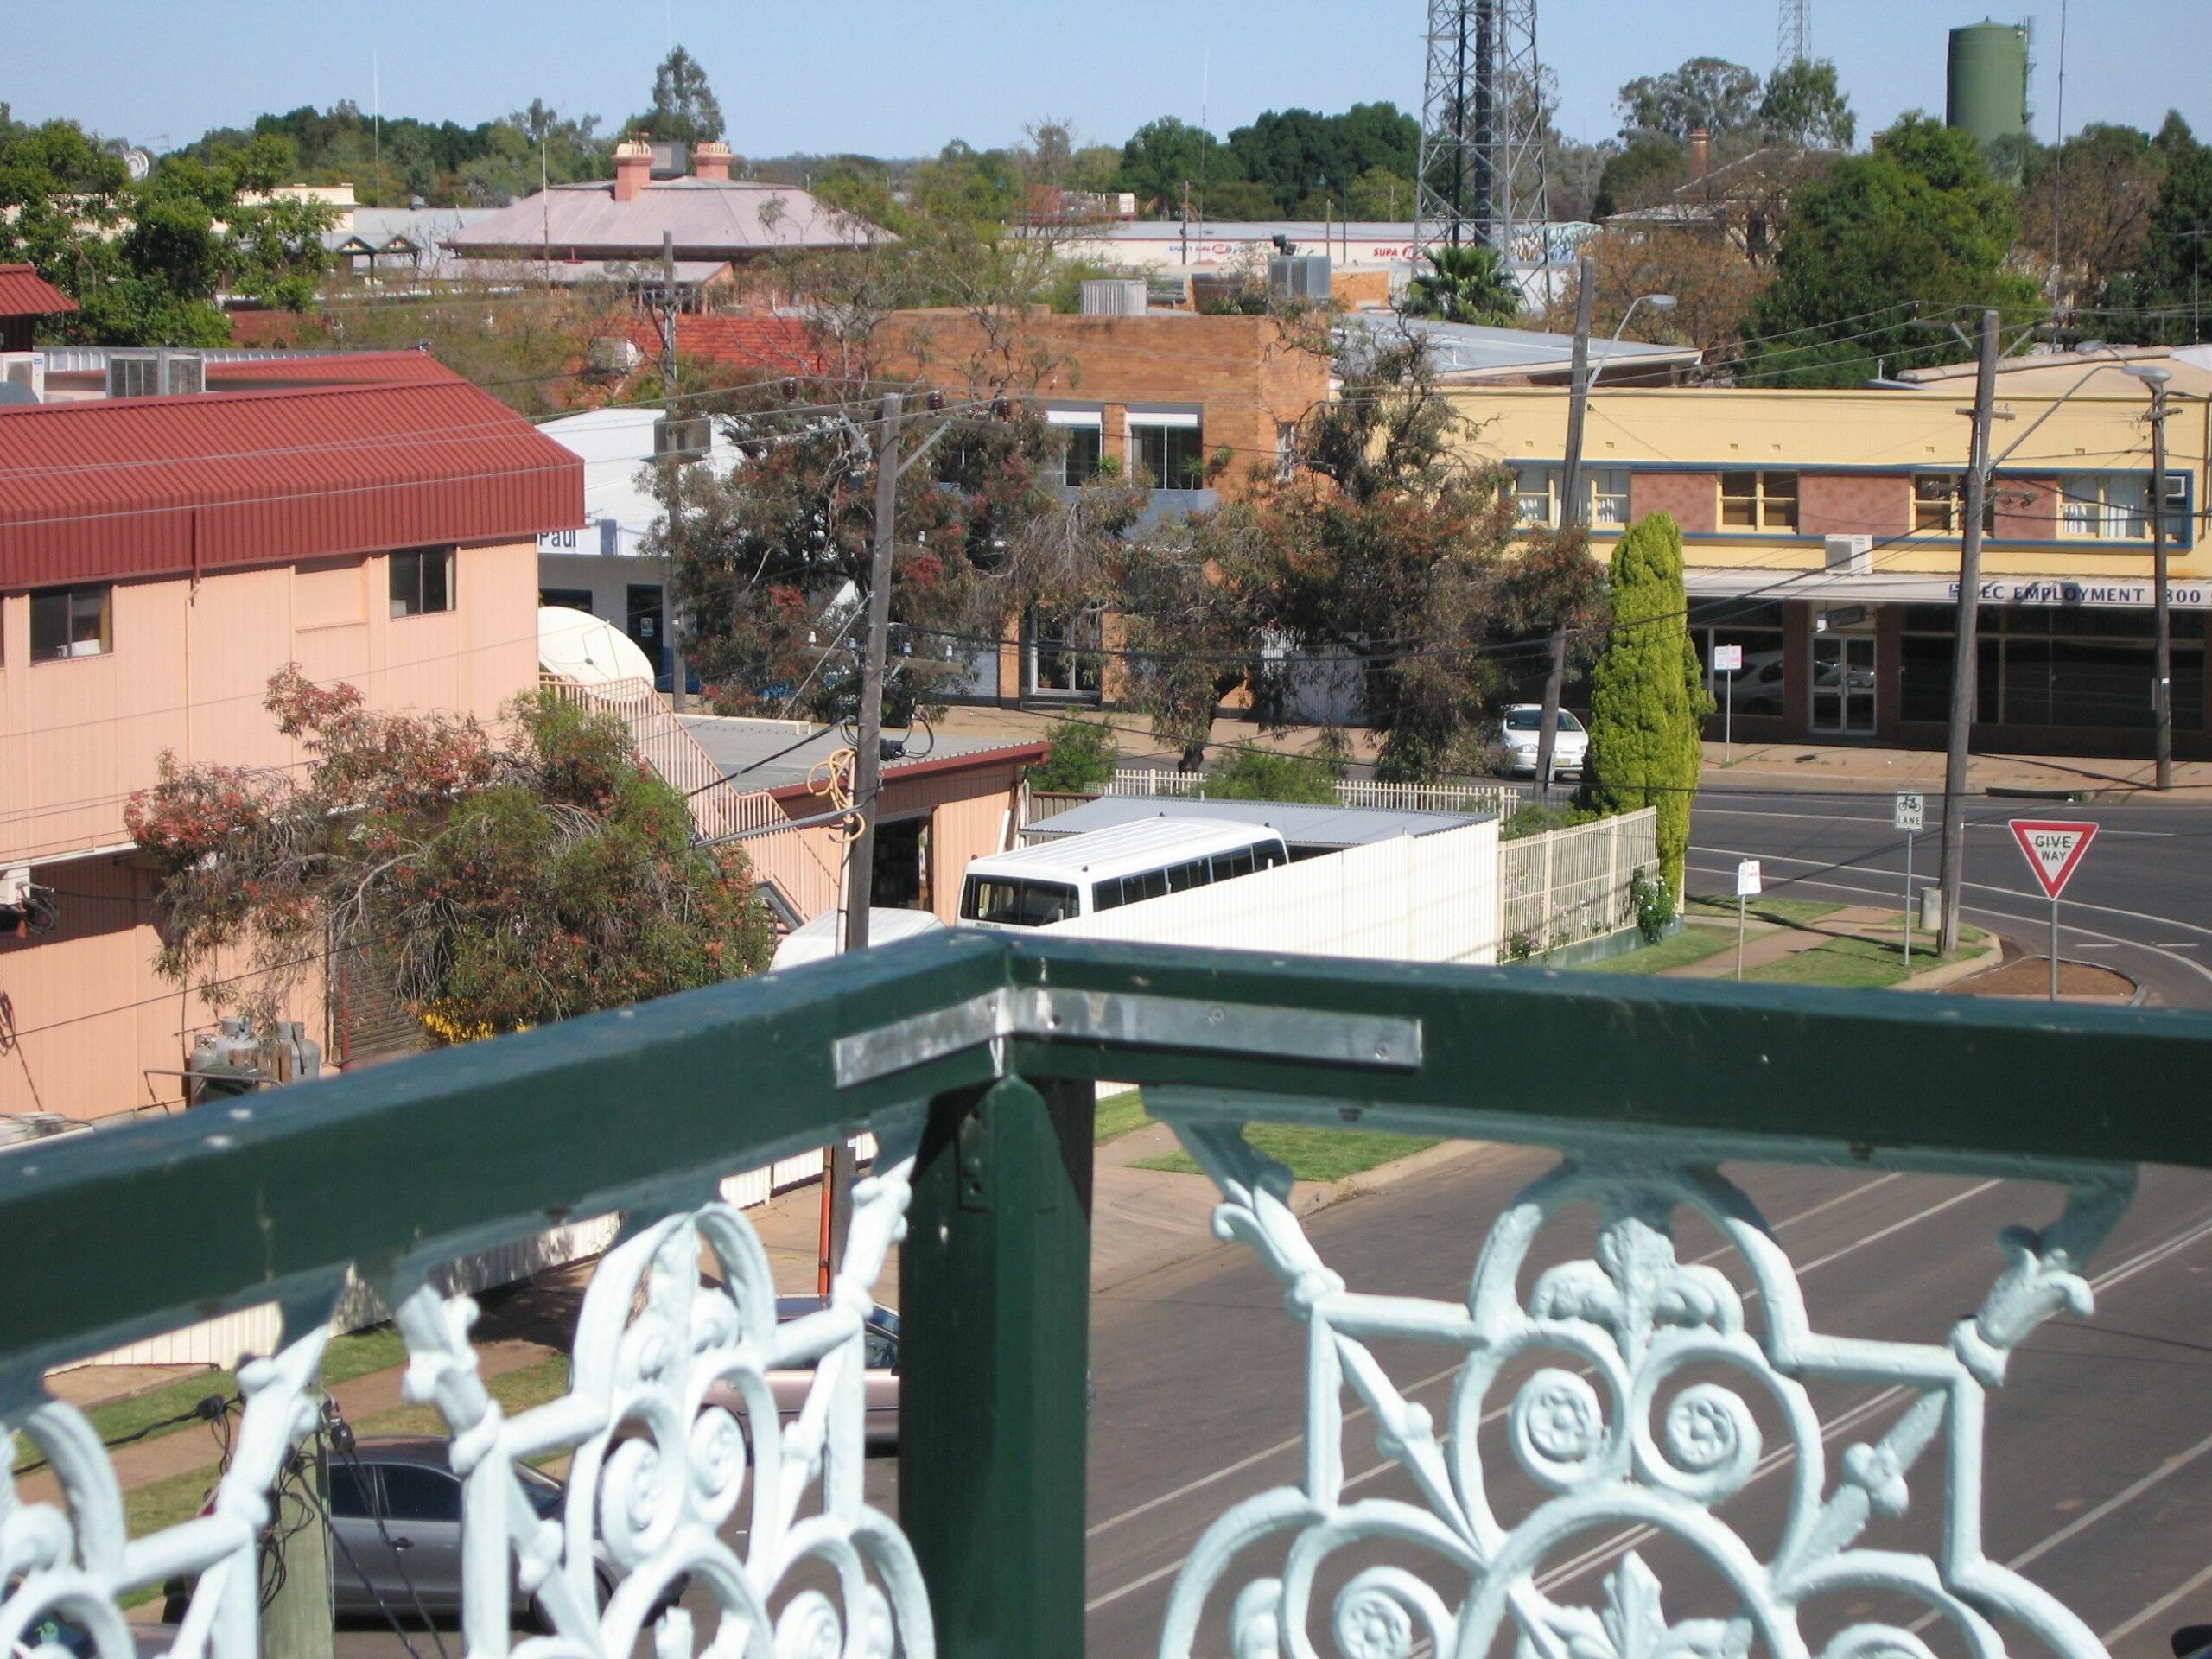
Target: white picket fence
x,y
1573,884
1479,795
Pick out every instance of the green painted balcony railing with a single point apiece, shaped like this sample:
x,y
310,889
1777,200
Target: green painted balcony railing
x,y
972,1057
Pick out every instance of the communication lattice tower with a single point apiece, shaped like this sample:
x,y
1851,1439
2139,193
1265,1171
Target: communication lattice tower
x,y
1483,120
1793,34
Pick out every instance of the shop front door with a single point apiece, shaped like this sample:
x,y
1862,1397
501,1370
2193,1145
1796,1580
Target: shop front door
x,y
1843,684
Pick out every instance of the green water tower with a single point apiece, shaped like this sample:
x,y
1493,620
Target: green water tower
x,y
1988,86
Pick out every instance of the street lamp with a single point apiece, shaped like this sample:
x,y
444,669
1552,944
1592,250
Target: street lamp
x,y
2161,672
1581,378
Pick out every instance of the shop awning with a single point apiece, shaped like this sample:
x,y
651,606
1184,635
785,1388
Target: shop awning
x,y
1841,588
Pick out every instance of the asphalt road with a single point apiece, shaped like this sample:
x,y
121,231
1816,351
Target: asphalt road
x,y
2141,901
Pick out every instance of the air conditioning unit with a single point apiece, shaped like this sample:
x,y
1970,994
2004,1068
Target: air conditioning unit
x,y
683,437
162,373
1850,556
1115,296
1299,276
23,377
2176,489
1168,291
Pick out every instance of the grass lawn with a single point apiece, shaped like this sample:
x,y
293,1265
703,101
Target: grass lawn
x,y
1117,1115
1860,963
1313,1154
516,1391
147,1415
1691,945
1782,912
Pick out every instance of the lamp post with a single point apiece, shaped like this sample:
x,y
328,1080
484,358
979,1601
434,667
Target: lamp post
x,y
1581,377
2161,672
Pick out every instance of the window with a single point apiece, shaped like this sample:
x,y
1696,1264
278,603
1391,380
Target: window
x,y
414,1491
1285,451
422,581
2106,507
2052,666
878,1350
1080,464
1758,501
71,622
348,1499
1605,492
1939,502
1172,453
1017,904
1754,624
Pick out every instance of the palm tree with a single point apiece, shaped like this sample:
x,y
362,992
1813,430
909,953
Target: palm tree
x,y
1469,283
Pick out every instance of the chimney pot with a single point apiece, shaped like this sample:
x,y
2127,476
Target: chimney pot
x,y
711,160
1700,152
633,167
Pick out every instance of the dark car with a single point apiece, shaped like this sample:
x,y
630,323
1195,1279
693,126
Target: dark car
x,y
880,1351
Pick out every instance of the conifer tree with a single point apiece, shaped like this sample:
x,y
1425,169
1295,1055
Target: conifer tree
x,y
1647,695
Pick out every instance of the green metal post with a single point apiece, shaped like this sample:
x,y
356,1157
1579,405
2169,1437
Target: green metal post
x,y
995,1288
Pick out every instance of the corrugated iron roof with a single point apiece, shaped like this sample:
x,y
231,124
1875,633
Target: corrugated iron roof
x,y
144,486
329,369
1302,826
710,218
24,293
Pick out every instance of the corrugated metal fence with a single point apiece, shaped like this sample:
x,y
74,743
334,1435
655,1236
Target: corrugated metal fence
x,y
1573,884
1477,795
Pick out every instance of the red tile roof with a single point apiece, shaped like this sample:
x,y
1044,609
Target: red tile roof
x,y
24,293
147,486
777,345
330,369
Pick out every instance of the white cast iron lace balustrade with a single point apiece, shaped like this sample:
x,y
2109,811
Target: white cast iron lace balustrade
x,y
655,1472
1615,1439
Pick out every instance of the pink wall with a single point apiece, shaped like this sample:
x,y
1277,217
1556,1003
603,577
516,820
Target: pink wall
x,y
1837,503
1694,498
187,673
189,667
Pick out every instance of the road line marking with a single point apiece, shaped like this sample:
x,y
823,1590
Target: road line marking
x,y
2154,1610
1297,1440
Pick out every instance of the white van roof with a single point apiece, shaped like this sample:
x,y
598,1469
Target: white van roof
x,y
1124,849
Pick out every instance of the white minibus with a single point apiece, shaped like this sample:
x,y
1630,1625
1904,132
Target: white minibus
x,y
1086,873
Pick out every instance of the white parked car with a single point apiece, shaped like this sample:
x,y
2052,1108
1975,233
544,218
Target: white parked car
x,y
1523,728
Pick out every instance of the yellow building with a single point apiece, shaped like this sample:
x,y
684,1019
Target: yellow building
x,y
1821,535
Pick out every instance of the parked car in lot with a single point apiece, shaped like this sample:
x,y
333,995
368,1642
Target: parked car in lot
x,y
1522,730
879,1352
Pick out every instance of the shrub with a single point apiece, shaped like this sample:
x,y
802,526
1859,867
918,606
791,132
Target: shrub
x,y
1536,819
1080,758
1264,775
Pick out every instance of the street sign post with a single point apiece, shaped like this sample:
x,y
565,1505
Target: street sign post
x,y
2053,848
1911,817
1747,888
1729,660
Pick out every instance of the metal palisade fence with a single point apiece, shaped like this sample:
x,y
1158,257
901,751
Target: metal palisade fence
x,y
1572,884
1477,795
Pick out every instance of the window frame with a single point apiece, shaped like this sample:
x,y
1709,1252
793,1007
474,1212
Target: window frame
x,y
418,559
1764,501
2102,508
1171,428
72,600
1552,475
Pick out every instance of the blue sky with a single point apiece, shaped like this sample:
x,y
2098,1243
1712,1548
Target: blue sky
x,y
900,77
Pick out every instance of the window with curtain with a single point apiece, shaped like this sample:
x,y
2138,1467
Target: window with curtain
x,y
2106,506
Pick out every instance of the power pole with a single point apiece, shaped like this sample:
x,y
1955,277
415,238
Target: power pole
x,y
2162,684
1963,659
298,1617
839,1166
1570,514
678,698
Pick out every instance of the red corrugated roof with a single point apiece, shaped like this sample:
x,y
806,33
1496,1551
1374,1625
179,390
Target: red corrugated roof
x,y
24,293
779,345
331,369
144,486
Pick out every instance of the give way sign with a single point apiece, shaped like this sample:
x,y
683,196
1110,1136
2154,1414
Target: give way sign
x,y
2053,849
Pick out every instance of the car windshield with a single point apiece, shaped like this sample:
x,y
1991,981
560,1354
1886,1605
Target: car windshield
x,y
1523,720
1017,904
1567,722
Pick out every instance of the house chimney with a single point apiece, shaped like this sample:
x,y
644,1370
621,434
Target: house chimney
x,y
634,165
1700,152
711,160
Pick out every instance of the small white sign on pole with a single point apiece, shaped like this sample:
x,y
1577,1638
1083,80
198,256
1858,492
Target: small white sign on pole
x,y
1727,659
1911,812
1747,879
